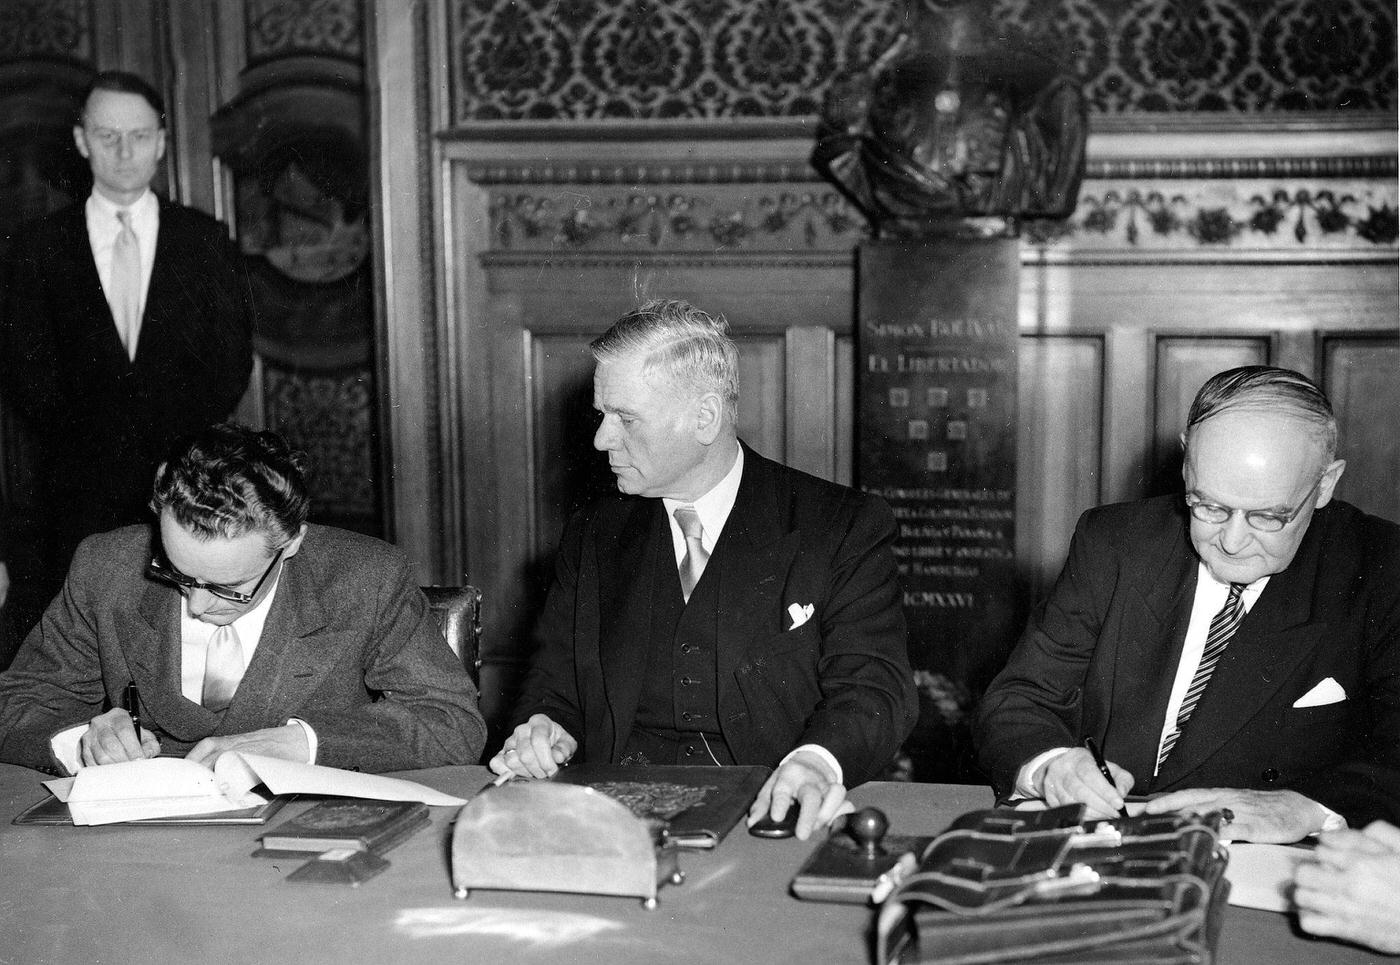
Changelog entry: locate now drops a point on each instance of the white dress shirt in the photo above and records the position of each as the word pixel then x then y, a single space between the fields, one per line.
pixel 103 228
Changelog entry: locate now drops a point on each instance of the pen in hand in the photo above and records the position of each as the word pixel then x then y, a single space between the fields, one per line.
pixel 131 700
pixel 1102 765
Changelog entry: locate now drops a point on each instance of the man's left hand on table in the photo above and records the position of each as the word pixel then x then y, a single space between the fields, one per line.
pixel 805 781
pixel 1264 817
pixel 287 742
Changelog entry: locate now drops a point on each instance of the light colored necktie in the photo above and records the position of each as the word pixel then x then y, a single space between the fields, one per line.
pixel 693 563
pixel 1222 627
pixel 223 668
pixel 125 285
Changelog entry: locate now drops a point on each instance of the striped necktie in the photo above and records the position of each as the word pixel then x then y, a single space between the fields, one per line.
pixel 693 563
pixel 124 285
pixel 1222 627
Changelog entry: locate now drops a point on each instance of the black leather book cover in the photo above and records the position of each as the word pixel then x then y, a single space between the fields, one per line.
pixel 705 801
pixel 355 823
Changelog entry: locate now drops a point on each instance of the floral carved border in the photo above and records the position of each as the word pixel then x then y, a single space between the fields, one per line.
pixel 1291 217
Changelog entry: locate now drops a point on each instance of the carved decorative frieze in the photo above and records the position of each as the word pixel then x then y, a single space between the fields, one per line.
pixel 1139 215
pixel 46 28
pixel 281 28
pixel 328 415
pixel 582 60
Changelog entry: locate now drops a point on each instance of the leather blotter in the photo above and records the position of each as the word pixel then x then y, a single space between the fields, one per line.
pixel 704 802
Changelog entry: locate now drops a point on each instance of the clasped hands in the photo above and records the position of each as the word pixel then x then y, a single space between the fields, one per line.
pixel 539 747
pixel 1278 817
pixel 110 739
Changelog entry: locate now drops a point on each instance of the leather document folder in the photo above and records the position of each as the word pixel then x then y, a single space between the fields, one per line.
pixel 699 805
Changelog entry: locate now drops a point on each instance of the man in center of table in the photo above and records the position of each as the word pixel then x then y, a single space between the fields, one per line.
pixel 721 608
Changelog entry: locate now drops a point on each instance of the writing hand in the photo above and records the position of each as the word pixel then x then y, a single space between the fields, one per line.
pixel 1074 778
pixel 536 748
pixel 804 781
pixel 287 742
pixel 110 739
pixel 1277 817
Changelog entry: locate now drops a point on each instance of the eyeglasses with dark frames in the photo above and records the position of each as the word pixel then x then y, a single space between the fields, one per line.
pixel 159 569
pixel 1263 520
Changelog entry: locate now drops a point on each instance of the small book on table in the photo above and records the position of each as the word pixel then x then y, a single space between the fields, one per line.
pixel 357 824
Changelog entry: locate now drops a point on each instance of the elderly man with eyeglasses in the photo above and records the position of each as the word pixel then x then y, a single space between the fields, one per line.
pixel 241 627
pixel 1234 649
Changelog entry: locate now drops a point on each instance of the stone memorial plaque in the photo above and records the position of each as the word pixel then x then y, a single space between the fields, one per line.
pixel 936 431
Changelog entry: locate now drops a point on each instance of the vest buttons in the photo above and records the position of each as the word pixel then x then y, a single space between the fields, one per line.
pixel 690 750
pixel 689 681
pixel 1269 775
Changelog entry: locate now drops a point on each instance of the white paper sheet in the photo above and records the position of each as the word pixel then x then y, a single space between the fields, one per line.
pixel 1261 875
pixel 169 787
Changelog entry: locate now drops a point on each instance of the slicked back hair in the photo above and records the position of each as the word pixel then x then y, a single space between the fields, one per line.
pixel 123 82
pixel 678 340
pixel 229 480
pixel 1265 388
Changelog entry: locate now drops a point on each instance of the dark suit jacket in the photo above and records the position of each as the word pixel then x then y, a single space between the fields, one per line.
pixel 100 422
pixel 1099 658
pixel 349 646
pixel 841 680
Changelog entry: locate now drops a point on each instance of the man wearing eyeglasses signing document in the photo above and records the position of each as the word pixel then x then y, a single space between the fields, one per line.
pixel 243 628
pixel 1236 648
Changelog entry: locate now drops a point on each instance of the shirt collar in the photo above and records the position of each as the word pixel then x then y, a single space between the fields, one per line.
pixel 250 623
pixel 1208 583
pixel 99 204
pixel 714 507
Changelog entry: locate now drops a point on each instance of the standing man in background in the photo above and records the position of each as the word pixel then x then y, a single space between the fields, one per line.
pixel 125 323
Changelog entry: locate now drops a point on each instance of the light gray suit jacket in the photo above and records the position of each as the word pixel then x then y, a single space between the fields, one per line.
pixel 349 647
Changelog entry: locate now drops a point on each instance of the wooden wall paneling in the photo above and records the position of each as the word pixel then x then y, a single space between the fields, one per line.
pixel 1360 372
pixel 127 35
pixel 1059 452
pixel 811 389
pixel 417 207
pixel 1127 409
pixel 843 414
pixel 765 388
pixel 563 425
pixel 506 528
pixel 191 101
pixel 1183 363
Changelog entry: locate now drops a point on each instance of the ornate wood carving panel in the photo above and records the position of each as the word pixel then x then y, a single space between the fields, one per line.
pixel 695 59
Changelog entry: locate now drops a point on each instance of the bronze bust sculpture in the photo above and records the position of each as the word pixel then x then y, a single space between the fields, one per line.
pixel 951 123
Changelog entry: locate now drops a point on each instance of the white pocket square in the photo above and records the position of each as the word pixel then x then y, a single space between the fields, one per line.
pixel 1326 692
pixel 800 613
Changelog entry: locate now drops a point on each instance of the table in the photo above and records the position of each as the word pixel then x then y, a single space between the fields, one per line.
pixel 193 894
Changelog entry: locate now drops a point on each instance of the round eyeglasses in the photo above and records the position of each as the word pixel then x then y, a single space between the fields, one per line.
pixel 1263 520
